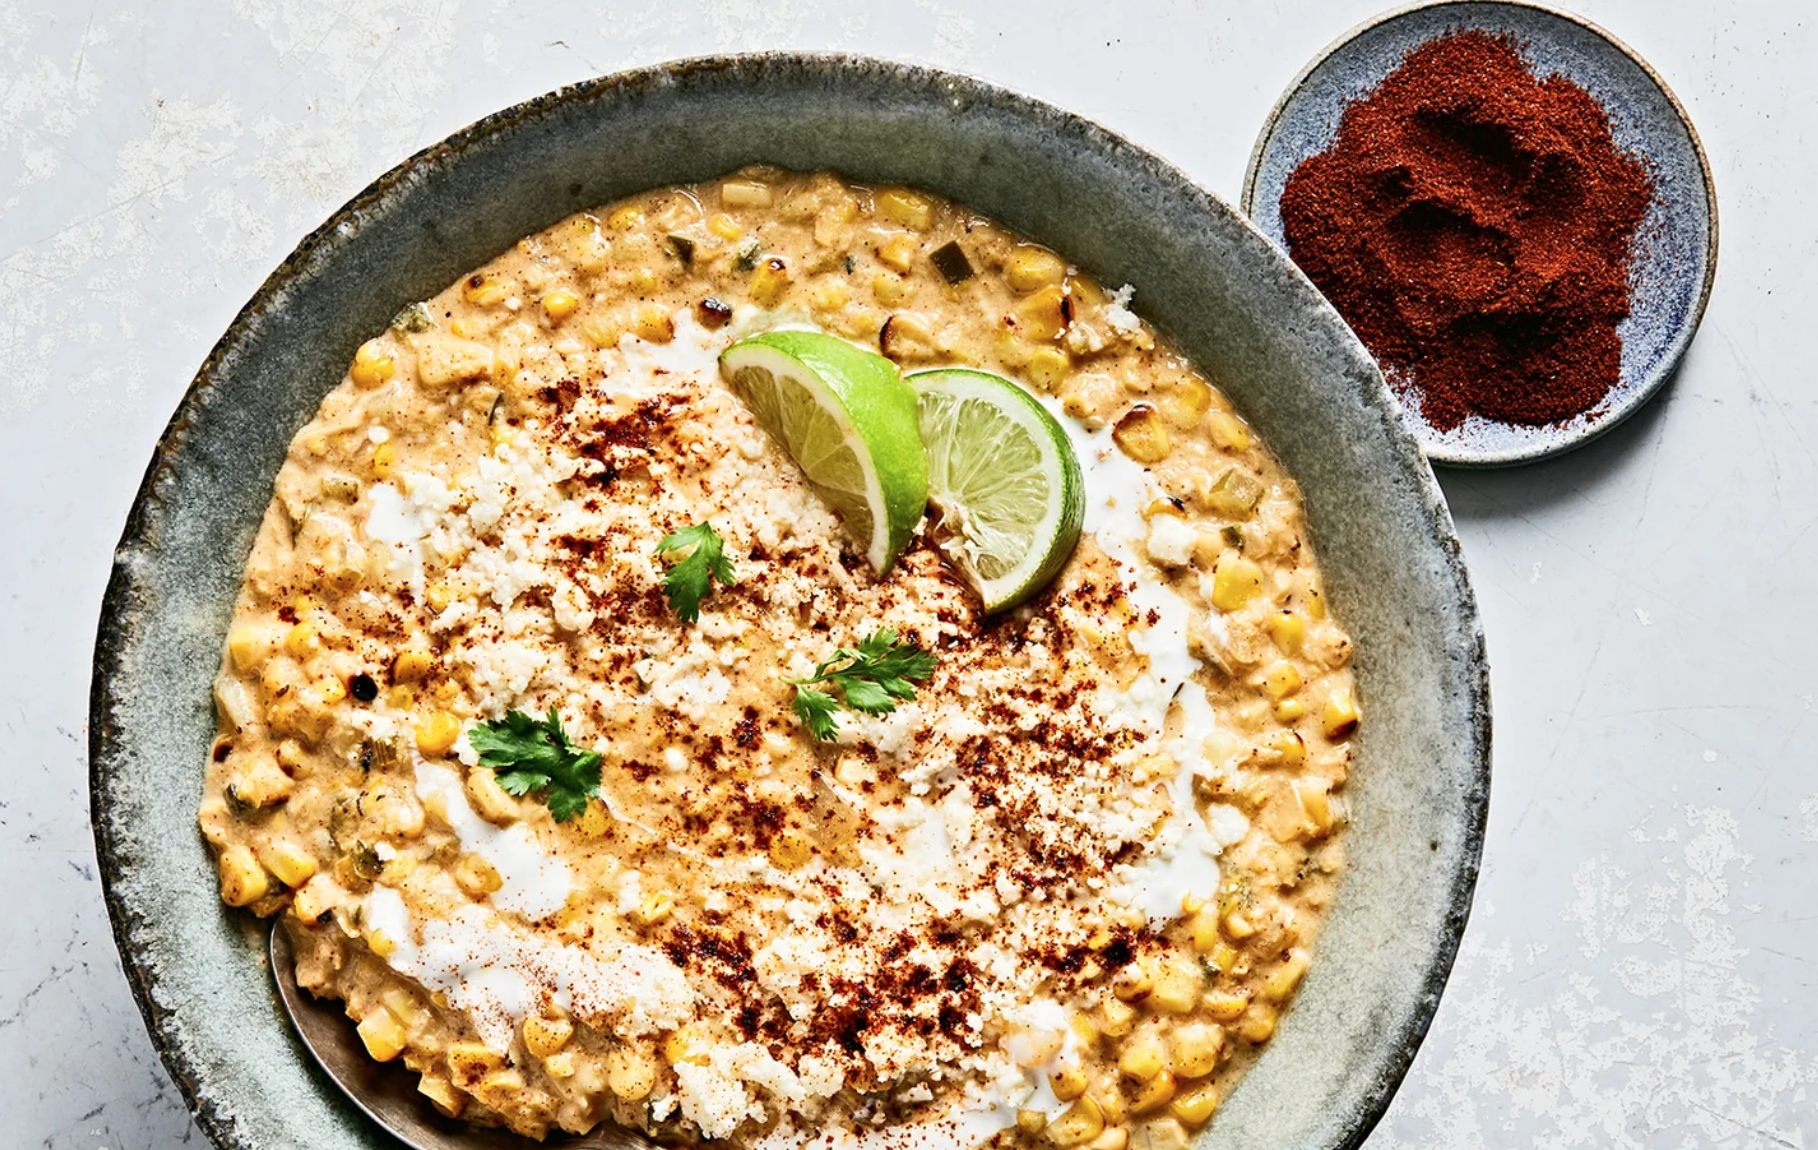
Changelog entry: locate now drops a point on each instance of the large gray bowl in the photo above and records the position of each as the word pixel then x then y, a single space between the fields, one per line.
pixel 1202 274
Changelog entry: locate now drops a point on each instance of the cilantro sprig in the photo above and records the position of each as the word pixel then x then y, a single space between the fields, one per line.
pixel 870 680
pixel 532 755
pixel 688 581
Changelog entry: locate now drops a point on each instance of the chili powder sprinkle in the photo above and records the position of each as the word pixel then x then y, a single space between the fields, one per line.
pixel 1473 223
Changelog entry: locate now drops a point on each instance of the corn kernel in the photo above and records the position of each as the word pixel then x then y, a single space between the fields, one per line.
pixel 889 288
pixel 1290 711
pixel 625 219
pixel 1224 1006
pixel 1186 403
pixel 1340 717
pixel 770 281
pixel 381 944
pixel 560 1065
pixel 1143 1057
pixel 1195 1106
pixel 412 663
pixel 600 332
pixel 791 850
pixel 559 305
pixel 689 1044
pixel 1162 1134
pixel 832 296
pixel 246 647
pixel 1119 1018
pixel 470 1061
pixel 902 206
pixel 1228 431
pixel 1031 1122
pixel 484 291
pixel 371 366
pixel 1235 581
pixel 442 1093
pixel 1114 1138
pixel 407 1006
pixel 725 227
pixel 1042 316
pixel 1031 268
pixel 437 733
pixel 1282 680
pixel 1154 1094
pixel 1203 930
pixel 1048 367
pixel 1079 1123
pixel 1259 1026
pixel 745 194
pixel 477 876
pixel 383 1035
pixel 1067 1082
pixel 1286 748
pixel 1133 983
pixel 243 880
pixel 654 325
pixel 303 640
pixel 593 823
pixel 1177 986
pixel 1085 1031
pixel 383 456
pixel 329 692
pixel 1196 1047
pixel 654 908
pixel 630 1073
pixel 1282 981
pixel 545 1036
pixel 1316 804
pixel 1112 1103
pixel 899 252
pixel 288 861
pixel 1288 630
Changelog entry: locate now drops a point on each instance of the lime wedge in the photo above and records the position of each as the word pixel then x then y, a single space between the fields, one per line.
pixel 1005 479
pixel 849 421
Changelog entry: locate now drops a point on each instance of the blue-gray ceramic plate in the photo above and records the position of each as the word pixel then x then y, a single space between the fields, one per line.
pixel 1201 273
pixel 1675 249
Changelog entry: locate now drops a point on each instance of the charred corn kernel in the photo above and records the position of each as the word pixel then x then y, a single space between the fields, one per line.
pixel 1194 1107
pixel 1042 316
pixel 1067 1082
pixel 1030 268
pixel 477 876
pixel 1154 1094
pixel 1177 986
pixel 1195 1048
pixel 1290 711
pixel 746 194
pixel 1282 680
pixel 381 944
pixel 655 907
pixel 303 640
pixel 1162 1134
pixel 371 366
pixel 902 206
pixel 1284 978
pixel 630 1073
pixel 1142 435
pixel 791 850
pixel 412 664
pixel 625 219
pixel 1119 1018
pixel 484 290
pixel 437 732
pixel 889 288
pixel 1225 1006
pixel 1340 717
pixel 288 861
pixel 593 822
pixel 292 758
pixel 654 325
pixel 770 281
pixel 832 296
pixel 559 305
pixel 1031 1122
pixel 1114 1138
pixel 1286 748
pixel 1235 581
pixel 1078 1124
pixel 383 1035
pixel 1228 431
pixel 899 252
pixel 725 227
pixel 1186 403
pixel 442 1093
pixel 1133 983
pixel 1143 1057
pixel 243 880
pixel 383 456
pixel 1288 630
pixel 1258 1026
pixel 246 646
pixel 545 1036
pixel 1048 367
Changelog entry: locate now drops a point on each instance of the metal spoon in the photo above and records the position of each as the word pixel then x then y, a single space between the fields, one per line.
pixel 387 1093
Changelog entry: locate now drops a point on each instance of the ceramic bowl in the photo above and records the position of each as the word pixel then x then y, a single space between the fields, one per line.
pixel 1201 273
pixel 1675 248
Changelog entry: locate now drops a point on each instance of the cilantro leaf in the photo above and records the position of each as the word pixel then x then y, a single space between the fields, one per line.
pixel 688 581
pixel 870 680
pixel 532 755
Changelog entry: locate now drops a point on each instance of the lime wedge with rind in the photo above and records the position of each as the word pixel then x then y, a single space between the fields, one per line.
pixel 849 421
pixel 1005 478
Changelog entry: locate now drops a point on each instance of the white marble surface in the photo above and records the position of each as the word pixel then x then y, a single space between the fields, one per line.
pixel 1639 969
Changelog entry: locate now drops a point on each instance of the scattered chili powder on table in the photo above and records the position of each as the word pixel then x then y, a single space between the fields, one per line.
pixel 1472 223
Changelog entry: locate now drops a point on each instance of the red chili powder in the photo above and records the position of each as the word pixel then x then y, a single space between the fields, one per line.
pixel 1473 224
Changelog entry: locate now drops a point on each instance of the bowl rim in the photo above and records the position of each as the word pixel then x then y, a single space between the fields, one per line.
pixel 1636 400
pixel 105 741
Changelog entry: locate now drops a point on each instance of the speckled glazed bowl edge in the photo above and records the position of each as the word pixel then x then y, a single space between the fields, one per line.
pixel 1635 400
pixel 1393 562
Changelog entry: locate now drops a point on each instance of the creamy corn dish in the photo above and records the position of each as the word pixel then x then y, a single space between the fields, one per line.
pixel 1060 897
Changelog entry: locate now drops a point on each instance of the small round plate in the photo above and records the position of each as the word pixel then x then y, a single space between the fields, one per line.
pixel 1675 249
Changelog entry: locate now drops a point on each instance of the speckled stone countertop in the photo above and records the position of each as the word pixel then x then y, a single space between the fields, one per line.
pixel 1639 969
